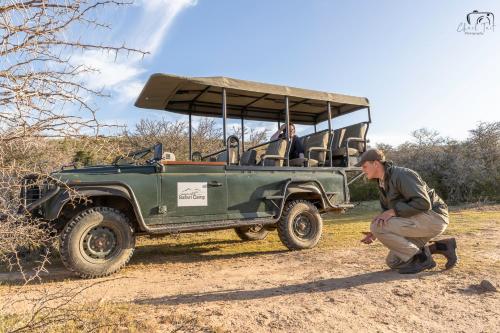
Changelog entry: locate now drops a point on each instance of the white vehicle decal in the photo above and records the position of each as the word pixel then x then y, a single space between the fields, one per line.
pixel 192 194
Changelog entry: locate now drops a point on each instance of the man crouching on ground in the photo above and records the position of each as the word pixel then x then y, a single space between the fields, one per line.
pixel 412 215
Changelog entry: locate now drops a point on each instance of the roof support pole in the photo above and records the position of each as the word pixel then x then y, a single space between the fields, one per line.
pixel 315 128
pixel 287 122
pixel 190 138
pixel 224 115
pixel 330 134
pixel 224 119
pixel 242 134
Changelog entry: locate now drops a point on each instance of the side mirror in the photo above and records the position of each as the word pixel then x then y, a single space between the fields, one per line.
pixel 158 151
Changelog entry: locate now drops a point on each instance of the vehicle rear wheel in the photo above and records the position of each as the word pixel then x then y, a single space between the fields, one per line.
pixel 97 242
pixel 300 225
pixel 252 233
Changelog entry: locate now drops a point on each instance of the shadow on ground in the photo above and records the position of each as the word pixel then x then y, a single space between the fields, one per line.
pixel 187 253
pixel 144 255
pixel 293 289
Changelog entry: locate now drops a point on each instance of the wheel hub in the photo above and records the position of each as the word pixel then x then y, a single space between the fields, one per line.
pixel 302 226
pixel 99 243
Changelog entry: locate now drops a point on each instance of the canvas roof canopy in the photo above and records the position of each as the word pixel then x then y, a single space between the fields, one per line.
pixel 202 96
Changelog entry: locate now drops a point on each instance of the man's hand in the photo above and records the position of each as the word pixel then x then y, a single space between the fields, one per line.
pixel 382 219
pixel 369 237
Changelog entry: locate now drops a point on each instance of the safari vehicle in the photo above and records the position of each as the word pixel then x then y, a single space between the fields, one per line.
pixel 253 190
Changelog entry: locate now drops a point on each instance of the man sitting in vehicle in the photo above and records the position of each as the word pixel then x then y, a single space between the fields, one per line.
pixel 296 150
pixel 412 215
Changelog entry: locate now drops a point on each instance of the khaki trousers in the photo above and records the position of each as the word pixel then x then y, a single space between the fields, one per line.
pixel 404 237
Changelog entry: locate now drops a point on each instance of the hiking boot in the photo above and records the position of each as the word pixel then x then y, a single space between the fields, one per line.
pixel 446 247
pixel 419 262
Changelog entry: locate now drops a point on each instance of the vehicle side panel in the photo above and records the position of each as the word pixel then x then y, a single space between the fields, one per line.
pixel 142 180
pixel 247 187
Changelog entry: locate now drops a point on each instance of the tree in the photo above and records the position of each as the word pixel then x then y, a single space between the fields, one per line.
pixel 42 93
pixel 38 77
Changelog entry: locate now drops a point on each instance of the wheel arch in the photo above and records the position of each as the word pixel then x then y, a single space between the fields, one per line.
pixel 305 191
pixel 109 196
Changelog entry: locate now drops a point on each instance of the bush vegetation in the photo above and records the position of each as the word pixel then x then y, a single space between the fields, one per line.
pixel 460 171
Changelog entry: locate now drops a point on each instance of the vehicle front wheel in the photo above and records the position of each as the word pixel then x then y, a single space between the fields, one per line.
pixel 300 225
pixel 252 233
pixel 97 242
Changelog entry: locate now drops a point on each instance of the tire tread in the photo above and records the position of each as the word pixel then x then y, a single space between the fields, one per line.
pixel 71 225
pixel 282 223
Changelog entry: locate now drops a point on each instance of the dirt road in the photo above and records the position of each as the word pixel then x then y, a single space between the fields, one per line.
pixel 339 286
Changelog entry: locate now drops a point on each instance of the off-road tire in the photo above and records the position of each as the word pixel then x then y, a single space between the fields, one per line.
pixel 291 230
pixel 75 244
pixel 252 233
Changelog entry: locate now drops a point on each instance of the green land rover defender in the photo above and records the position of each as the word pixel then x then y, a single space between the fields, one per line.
pixel 253 190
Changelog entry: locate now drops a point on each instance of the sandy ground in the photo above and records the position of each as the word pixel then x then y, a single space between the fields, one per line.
pixel 319 290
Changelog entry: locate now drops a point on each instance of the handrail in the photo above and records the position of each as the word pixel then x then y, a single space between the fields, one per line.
pixel 213 154
pixel 230 139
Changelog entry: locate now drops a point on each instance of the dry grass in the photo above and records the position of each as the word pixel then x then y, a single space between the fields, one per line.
pixel 90 318
pixel 111 317
pixel 340 231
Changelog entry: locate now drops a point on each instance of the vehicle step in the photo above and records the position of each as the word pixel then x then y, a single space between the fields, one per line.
pixel 273 197
pixel 207 226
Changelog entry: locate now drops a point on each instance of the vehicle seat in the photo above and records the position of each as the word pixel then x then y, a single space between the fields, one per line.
pixel 336 140
pixel 249 157
pixel 338 136
pixel 353 142
pixel 233 156
pixel 315 148
pixel 304 139
pixel 275 153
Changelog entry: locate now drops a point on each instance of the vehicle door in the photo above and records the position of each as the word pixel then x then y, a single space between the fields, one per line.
pixel 194 192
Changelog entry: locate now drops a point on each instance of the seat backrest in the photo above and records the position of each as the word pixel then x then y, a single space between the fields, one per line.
pixel 319 139
pixel 249 157
pixel 338 136
pixel 233 158
pixel 275 148
pixel 355 131
pixel 303 140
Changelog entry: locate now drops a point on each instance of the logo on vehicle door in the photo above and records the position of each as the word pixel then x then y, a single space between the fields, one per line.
pixel 191 194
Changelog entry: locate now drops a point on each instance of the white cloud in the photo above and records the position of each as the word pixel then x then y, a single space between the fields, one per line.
pixel 111 72
pixel 129 91
pixel 119 75
pixel 156 19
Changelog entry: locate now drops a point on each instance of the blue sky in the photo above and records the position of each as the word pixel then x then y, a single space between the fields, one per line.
pixel 405 56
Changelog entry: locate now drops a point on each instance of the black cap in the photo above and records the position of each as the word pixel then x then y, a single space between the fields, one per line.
pixel 371 155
